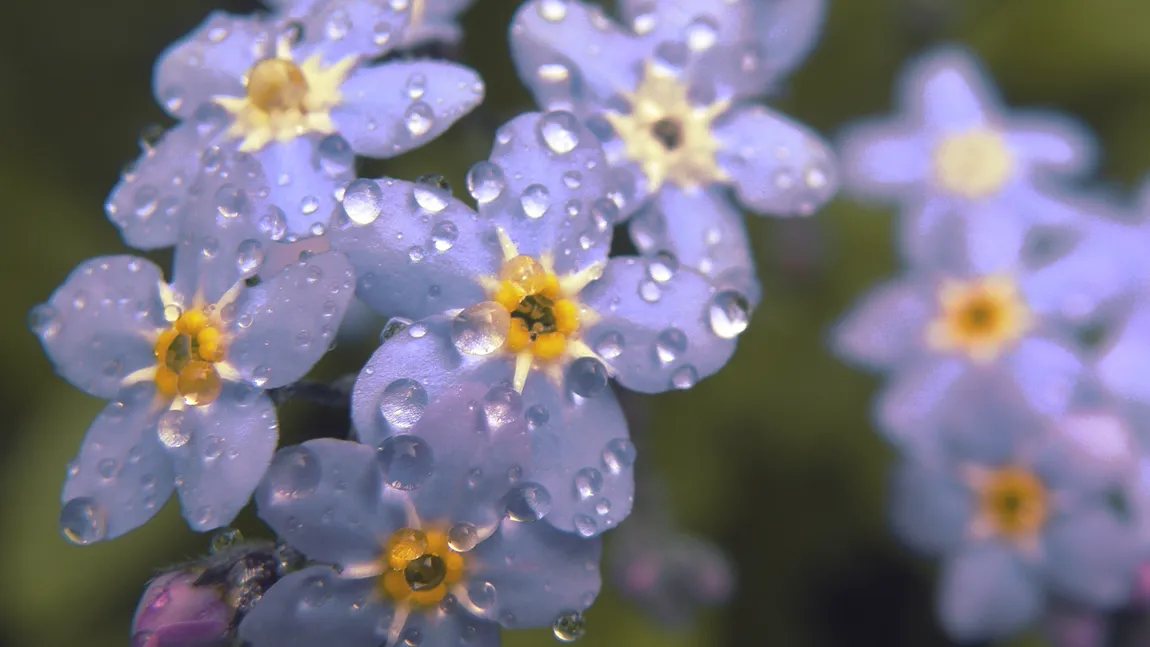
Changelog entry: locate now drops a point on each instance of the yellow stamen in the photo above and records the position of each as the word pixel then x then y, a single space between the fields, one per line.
pixel 979 318
pixel 1012 502
pixel 973 164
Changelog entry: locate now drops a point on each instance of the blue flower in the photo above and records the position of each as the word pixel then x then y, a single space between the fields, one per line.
pixel 668 98
pixel 1016 520
pixel 245 83
pixel 415 527
pixel 956 148
pixel 184 368
pixel 972 321
pixel 430 20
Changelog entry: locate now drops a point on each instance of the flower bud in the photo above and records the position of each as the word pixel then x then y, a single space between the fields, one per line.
pixel 176 612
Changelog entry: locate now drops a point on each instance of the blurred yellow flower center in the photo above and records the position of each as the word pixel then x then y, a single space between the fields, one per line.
pixel 973 164
pixel 419 567
pixel 186 357
pixel 979 318
pixel 668 136
pixel 1013 502
pixel 285 100
pixel 541 320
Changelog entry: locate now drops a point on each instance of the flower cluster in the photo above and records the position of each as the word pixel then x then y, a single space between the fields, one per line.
pixel 486 450
pixel 1012 347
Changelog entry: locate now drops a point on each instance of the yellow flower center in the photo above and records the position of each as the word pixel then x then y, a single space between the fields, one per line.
pixel 276 85
pixel 1013 502
pixel 979 318
pixel 668 136
pixel 186 357
pixel 541 320
pixel 973 164
pixel 419 567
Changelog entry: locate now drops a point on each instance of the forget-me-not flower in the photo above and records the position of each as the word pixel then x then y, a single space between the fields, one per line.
pixel 258 86
pixel 667 95
pixel 417 528
pixel 956 148
pixel 184 368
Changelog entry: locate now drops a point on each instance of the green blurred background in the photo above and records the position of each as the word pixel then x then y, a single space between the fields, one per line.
pixel 774 458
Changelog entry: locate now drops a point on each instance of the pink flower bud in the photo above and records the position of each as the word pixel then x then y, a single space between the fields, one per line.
pixel 174 612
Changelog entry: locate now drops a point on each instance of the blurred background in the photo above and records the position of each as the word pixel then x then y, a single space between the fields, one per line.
pixel 774 459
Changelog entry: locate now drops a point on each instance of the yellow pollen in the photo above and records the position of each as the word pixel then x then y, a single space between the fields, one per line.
pixel 541 318
pixel 276 85
pixel 973 164
pixel 186 357
pixel 979 318
pixel 419 567
pixel 1012 502
pixel 668 136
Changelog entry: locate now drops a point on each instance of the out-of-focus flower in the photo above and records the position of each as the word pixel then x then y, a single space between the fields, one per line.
pixel 255 85
pixel 417 528
pixel 185 368
pixel 955 148
pixel 667 97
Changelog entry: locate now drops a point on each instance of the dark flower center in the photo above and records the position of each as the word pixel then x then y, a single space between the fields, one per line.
pixel 537 313
pixel 669 133
pixel 425 572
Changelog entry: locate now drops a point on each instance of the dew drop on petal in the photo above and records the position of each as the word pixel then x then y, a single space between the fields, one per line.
pixel 537 416
pixel 684 377
pixel 670 344
pixel 419 119
pixel 363 201
pixel 618 455
pixel 559 131
pixel 249 256
pixel 462 537
pixel 406 461
pixel 552 10
pixel 610 346
pixel 485 182
pixel 588 482
pixel 662 267
pixel 501 406
pixel 481 329
pixel 729 314
pixel 431 192
pixel 443 235
pixel 527 502
pixel 584 525
pixel 481 593
pixel 402 403
pixel 649 291
pixel 569 627
pixel 587 377
pixel 174 429
pixel 83 521
pixel 536 199
pixel 294 473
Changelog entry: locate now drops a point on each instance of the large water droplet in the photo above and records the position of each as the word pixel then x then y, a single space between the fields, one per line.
pixel 363 201
pixel 462 537
pixel 702 33
pixel 662 267
pixel 684 377
pixel 618 455
pixel 559 131
pixel 569 627
pixel 552 10
pixel 83 521
pixel 527 502
pixel 419 119
pixel 249 256
pixel 585 525
pixel 294 473
pixel 432 193
pixel 443 235
pixel 485 182
pixel 536 199
pixel 481 329
pixel 273 223
pixel 588 482
pixel 729 314
pixel 501 406
pixel 402 403
pixel 335 156
pixel 587 377
pixel 231 201
pixel 670 344
pixel 174 429
pixel 481 593
pixel 406 461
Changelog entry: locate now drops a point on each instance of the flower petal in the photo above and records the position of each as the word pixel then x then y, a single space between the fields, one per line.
pixel 1053 141
pixel 930 509
pixel 1047 372
pixel 985 593
pixel 438 22
pixel 887 325
pixel 326 498
pixel 778 166
pixel 909 402
pixel 395 107
pixel 98 326
pixel 416 250
pixel 703 231
pixel 316 606
pixel 884 158
pixel 450 626
pixel 361 28
pixel 122 475
pixel 789 30
pixel 305 175
pixel 555 190
pixel 1122 366
pixel 285 325
pixel 679 20
pixel 232 442
pixel 537 574
pixel 211 61
pixel 1091 557
pixel 660 329
pixel 571 56
pixel 949 91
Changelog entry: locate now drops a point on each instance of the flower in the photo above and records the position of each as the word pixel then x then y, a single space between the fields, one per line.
pixel 973 320
pixel 175 611
pixel 423 551
pixel 1028 515
pixel 256 85
pixel 954 148
pixel 667 96
pixel 430 20
pixel 184 369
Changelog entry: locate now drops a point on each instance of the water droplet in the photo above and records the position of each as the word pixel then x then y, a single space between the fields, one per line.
pixel 294 473
pixel 588 482
pixel 249 256
pixel 44 321
pixel 406 461
pixel 684 377
pixel 527 502
pixel 224 539
pixel 553 10
pixel 662 267
pixel 481 593
pixel 670 344
pixel 603 508
pixel 536 200
pixel 308 205
pixel 416 85
pixel 501 406
pixel 587 377
pixel 573 180
pixel 481 329
pixel 619 454
pixel 432 193
pixel 443 235
pixel 485 182
pixel 559 131
pixel 82 521
pixel 363 201
pixel 402 403
pixel 537 416
pixel 273 223
pixel 585 525
pixel 335 156
pixel 145 201
pixel 610 346
pixel 419 119
pixel 462 537
pixel 702 33
pixel 569 627
pixel 175 429
pixel 729 314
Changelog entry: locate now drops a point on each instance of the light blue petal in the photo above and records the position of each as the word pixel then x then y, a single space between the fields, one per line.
pixel 984 417
pixel 908 403
pixel 1122 366
pixel 696 23
pixel 537 574
pixel 884 158
pixel 887 326
pixel 985 593
pixel 284 326
pixel 360 28
pixel 703 231
pixel 1053 141
pixel 232 442
pixel 416 250
pixel 395 107
pixel 316 606
pixel 1047 372
pixel 571 56
pixel 326 499
pixel 930 509
pixel 210 61
pixel 122 476
pixel 949 91
pixel 1091 557
pixel 778 166
pixel 788 30
pixel 438 22
pixel 448 625
pixel 97 328
pixel 661 329
pixel 555 192
pixel 148 203
pixel 305 176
